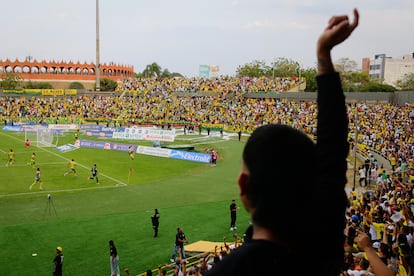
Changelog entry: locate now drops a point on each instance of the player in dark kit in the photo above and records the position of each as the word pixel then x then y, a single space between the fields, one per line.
pixel 94 172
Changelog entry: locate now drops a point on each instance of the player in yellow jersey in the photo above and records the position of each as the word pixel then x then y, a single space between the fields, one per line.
pixel 11 158
pixel 131 152
pixel 33 160
pixel 72 168
pixel 37 180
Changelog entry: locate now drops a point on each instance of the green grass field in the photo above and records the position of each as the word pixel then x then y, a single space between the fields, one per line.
pixel 83 216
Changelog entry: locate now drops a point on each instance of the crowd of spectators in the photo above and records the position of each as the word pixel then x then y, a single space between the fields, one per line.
pixel 221 84
pixel 384 213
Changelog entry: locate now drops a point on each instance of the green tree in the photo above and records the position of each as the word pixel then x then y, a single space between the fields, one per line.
pixel 44 85
pixel 375 86
pixel 152 70
pixel 310 76
pixel 255 68
pixel 38 85
pixel 354 80
pixel 107 85
pixel 406 83
pixel 10 81
pixel 76 85
pixel 283 67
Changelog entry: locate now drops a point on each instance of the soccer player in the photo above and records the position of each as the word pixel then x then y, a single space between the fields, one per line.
pixel 72 168
pixel 27 143
pixel 94 172
pixel 37 180
pixel 11 158
pixel 33 160
pixel 131 152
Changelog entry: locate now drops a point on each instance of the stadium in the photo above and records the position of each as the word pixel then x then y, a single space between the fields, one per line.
pixel 157 156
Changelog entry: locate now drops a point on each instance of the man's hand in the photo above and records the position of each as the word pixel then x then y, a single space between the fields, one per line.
pixel 339 29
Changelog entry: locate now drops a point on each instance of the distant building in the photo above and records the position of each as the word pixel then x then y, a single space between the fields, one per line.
pixel 61 73
pixel 388 69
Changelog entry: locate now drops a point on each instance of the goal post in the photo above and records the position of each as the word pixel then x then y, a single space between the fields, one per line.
pixel 42 137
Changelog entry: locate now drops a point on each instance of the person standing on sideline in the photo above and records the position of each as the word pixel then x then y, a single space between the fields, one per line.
pixel 180 239
pixel 155 220
pixel 277 238
pixel 113 259
pixel 233 215
pixel 94 173
pixel 37 180
pixel 58 262
pixel 72 168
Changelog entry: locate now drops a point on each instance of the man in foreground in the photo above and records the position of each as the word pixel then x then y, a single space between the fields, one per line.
pixel 283 234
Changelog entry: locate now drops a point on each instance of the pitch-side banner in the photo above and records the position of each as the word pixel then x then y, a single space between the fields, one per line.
pixel 62 127
pixel 147 134
pixel 153 151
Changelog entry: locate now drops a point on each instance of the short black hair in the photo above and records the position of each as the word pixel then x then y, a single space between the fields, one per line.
pixel 281 163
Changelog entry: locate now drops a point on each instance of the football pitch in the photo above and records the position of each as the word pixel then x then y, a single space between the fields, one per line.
pixel 82 216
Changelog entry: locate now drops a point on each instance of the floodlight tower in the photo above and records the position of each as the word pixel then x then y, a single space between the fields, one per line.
pixel 98 65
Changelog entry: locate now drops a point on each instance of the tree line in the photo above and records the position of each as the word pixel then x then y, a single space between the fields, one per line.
pixel 352 79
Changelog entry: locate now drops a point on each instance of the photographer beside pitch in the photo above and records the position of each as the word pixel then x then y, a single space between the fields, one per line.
pixel 287 239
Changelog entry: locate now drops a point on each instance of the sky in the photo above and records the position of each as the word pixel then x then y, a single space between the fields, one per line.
pixel 181 35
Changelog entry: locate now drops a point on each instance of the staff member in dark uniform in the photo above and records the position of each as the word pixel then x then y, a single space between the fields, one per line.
pixel 58 261
pixel 155 220
pixel 233 215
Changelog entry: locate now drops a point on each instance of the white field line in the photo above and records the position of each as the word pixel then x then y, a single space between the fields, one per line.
pixel 28 163
pixel 118 182
pixel 57 191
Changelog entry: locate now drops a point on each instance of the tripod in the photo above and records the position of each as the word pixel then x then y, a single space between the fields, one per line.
pixel 49 206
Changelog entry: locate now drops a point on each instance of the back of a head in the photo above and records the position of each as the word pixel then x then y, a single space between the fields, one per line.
pixel 281 162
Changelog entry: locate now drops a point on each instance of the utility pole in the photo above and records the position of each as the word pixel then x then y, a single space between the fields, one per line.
pixel 355 143
pixel 98 65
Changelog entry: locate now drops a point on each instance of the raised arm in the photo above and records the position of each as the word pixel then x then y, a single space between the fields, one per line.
pixel 332 145
pixel 378 266
pixel 339 28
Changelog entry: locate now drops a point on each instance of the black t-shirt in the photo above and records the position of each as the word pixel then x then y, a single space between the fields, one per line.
pixel 178 237
pixel 112 251
pixel 155 219
pixel 58 261
pixel 233 208
pixel 94 170
pixel 257 257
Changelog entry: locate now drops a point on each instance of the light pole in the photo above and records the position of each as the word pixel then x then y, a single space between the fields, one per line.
pixel 355 144
pixel 98 65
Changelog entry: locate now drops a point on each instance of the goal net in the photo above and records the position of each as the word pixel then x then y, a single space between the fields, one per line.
pixel 42 137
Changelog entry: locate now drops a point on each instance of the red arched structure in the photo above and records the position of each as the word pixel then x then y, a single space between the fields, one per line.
pixel 58 71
